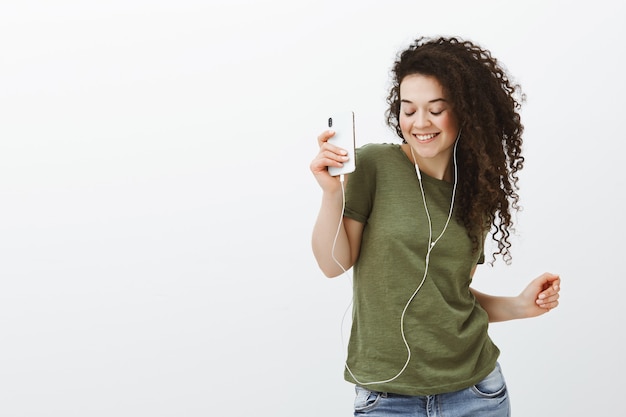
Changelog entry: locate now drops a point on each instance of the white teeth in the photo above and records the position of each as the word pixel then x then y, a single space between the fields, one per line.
pixel 425 137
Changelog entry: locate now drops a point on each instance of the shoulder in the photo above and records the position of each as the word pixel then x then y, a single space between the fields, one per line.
pixel 373 152
pixel 374 160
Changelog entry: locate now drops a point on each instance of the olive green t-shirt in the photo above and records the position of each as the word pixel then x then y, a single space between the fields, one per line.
pixel 444 325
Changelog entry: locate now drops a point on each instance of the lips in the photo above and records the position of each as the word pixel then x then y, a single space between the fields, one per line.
pixel 425 138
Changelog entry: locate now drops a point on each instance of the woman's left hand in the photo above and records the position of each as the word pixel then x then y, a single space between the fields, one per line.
pixel 541 295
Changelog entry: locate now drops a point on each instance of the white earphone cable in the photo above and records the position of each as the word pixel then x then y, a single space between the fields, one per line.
pixel 431 245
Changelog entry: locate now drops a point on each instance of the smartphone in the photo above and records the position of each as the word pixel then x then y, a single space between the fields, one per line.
pixel 342 123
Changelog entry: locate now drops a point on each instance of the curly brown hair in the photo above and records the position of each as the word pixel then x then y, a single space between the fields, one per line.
pixel 486 103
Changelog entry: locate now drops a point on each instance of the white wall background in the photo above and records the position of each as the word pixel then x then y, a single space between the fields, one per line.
pixel 156 203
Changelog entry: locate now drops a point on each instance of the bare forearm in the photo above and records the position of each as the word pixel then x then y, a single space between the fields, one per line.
pixel 540 296
pixel 328 232
pixel 500 308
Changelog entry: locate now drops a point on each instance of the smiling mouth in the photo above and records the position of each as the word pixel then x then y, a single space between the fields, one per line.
pixel 424 138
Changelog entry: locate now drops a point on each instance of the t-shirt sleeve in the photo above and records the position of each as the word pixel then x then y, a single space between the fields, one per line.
pixel 360 185
pixel 481 259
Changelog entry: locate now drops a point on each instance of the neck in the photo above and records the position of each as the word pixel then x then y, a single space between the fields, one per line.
pixel 433 167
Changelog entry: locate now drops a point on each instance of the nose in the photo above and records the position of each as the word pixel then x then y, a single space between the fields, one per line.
pixel 421 119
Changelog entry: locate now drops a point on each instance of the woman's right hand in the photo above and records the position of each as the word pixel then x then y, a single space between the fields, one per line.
pixel 328 155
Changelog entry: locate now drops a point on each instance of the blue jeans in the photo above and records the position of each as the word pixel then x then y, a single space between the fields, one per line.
pixel 488 398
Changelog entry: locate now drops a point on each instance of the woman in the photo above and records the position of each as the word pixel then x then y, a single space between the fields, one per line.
pixel 415 219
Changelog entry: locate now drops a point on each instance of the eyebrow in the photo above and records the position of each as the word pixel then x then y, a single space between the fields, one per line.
pixel 431 101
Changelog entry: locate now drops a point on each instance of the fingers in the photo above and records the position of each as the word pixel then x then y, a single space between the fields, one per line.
pixel 324 136
pixel 323 142
pixel 549 297
pixel 329 154
pixel 548 301
pixel 552 279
